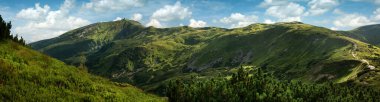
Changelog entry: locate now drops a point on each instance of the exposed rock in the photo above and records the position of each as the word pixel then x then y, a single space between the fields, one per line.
pixel 371 67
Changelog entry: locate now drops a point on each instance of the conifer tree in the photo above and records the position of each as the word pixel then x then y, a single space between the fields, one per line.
pixel 5 32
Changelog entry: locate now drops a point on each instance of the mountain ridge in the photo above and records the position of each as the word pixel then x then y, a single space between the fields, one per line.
pixel 148 56
pixel 368 34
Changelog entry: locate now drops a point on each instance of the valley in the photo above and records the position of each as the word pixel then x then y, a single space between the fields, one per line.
pixel 189 51
pixel 125 51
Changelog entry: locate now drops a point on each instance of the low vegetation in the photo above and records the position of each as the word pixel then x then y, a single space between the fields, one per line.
pixel 257 86
pixel 27 75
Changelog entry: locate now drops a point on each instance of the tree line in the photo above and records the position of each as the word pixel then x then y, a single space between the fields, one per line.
pixel 253 86
pixel 5 32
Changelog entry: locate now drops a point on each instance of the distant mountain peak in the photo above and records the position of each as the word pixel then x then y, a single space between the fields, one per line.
pixel 293 22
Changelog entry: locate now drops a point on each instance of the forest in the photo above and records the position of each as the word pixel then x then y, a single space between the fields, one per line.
pixel 258 86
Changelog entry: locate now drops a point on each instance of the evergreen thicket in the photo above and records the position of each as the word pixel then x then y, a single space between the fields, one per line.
pixel 5 32
pixel 258 86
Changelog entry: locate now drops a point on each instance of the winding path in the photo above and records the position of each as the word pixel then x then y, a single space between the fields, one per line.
pixel 353 53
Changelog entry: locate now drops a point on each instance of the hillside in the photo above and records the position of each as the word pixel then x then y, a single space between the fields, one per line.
pixel 125 51
pixel 252 85
pixel 369 34
pixel 27 75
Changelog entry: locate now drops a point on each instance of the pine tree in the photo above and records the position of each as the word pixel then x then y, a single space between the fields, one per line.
pixel 8 30
pixel 263 87
pixel 2 28
pixel 15 38
pixel 5 32
pixel 5 29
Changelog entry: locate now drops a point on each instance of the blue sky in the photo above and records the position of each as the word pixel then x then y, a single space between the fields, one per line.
pixel 42 19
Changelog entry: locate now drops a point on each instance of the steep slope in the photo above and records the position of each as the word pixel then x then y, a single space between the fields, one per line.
pixel 369 34
pixel 27 75
pixel 294 50
pixel 87 39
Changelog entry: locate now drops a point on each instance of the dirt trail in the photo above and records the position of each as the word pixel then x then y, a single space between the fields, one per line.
pixel 353 53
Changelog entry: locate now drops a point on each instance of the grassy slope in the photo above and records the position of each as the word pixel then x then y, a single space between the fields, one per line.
pixel 148 56
pixel 86 39
pixel 369 34
pixel 27 75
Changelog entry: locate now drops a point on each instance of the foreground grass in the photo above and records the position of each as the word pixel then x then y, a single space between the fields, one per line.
pixel 27 75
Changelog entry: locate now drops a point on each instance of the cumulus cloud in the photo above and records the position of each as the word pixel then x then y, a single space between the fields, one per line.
pixel 194 23
pixel 239 20
pixel 172 12
pixel 373 1
pixel 117 19
pixel 351 21
pixel 111 5
pixel 268 21
pixel 154 23
pixel 376 15
pixel 334 28
pixel 268 3
pixel 318 7
pixel 136 17
pixel 286 13
pixel 35 13
pixel 49 23
pixel 5 13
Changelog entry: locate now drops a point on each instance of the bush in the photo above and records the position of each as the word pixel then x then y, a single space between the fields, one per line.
pixel 258 86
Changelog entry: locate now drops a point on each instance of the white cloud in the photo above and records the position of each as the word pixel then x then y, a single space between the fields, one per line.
pixel 291 19
pixel 154 23
pixel 195 23
pixel 117 19
pixel 136 17
pixel 239 20
pixel 376 15
pixel 334 28
pixel 5 13
pixel 267 3
pixel 376 1
pixel 286 13
pixel 268 21
pixel 172 12
pixel 36 13
pixel 52 24
pixel 111 5
pixel 352 21
pixel 349 21
pixel 68 4
pixel 373 1
pixel 318 7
